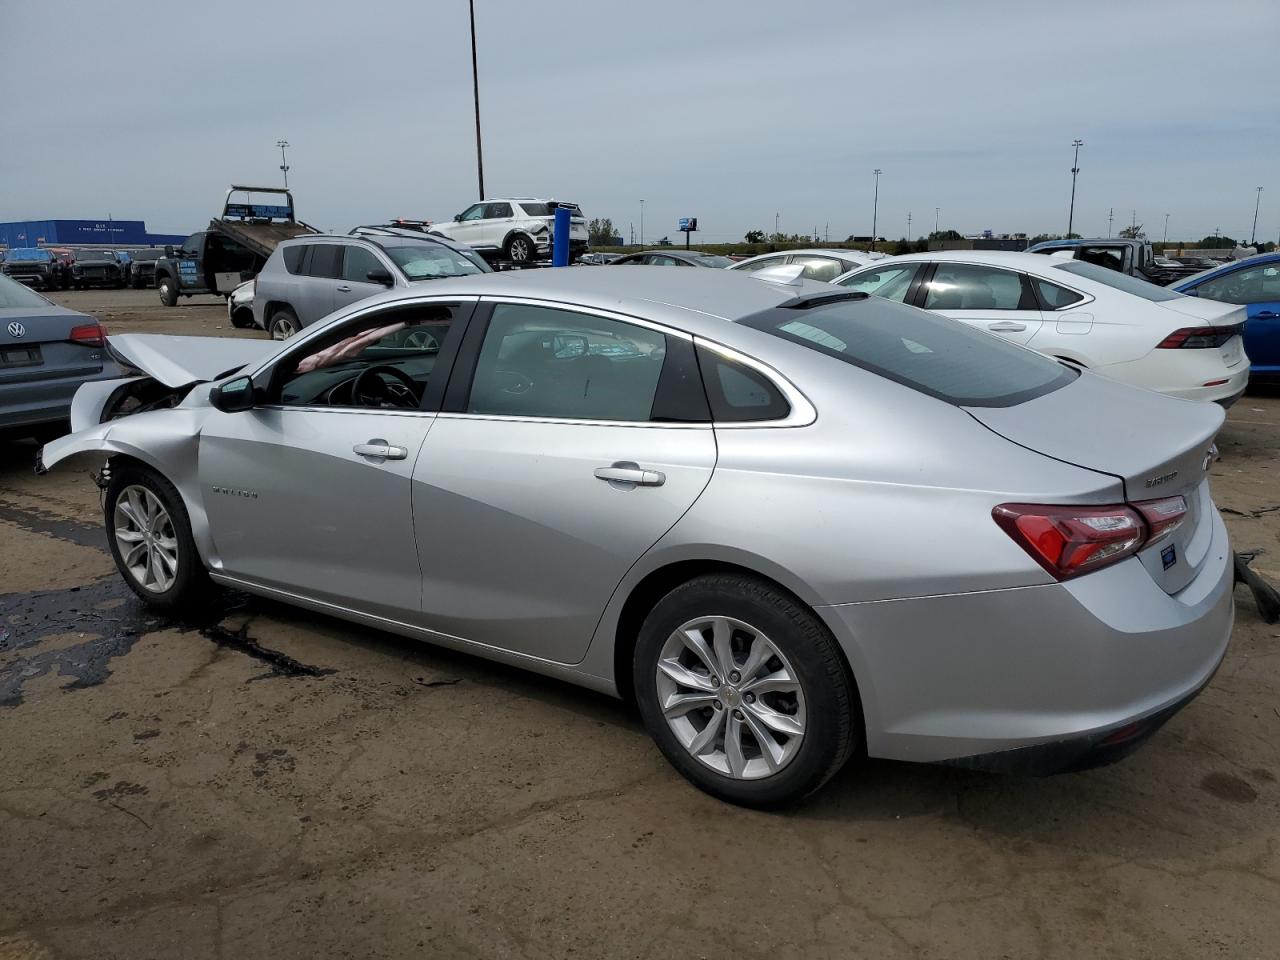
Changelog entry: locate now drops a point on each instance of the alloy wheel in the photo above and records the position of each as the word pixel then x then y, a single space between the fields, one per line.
pixel 146 539
pixel 282 328
pixel 731 697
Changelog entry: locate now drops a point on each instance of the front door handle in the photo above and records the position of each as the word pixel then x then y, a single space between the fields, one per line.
pixel 1006 326
pixel 343 288
pixel 379 449
pixel 1266 315
pixel 625 474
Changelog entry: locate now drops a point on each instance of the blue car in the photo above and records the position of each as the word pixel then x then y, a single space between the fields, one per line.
pixel 1255 283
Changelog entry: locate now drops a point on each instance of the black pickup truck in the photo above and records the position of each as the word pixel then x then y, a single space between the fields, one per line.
pixel 36 267
pixel 232 249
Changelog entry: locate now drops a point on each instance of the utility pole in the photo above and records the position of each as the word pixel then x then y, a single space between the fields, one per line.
pixel 908 224
pixel 1133 224
pixel 936 212
pixel 1253 237
pixel 475 90
pixel 1075 170
pixel 642 223
pixel 775 225
pixel 875 207
pixel 284 163
pixel 826 233
pixel 1110 216
pixel 1166 228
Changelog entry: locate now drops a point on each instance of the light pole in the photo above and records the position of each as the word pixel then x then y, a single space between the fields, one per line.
pixel 936 212
pixel 1075 170
pixel 1253 237
pixel 776 217
pixel 875 207
pixel 1166 228
pixel 284 163
pixel 475 92
pixel 642 223
pixel 908 224
pixel 1111 213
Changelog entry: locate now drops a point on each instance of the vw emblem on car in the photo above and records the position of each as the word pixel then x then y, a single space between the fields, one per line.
pixel 17 330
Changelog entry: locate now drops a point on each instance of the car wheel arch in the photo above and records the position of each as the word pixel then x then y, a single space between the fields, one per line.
pixel 660 581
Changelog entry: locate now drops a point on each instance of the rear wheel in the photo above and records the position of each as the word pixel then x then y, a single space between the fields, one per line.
pixel 242 319
pixel 283 324
pixel 744 690
pixel 168 291
pixel 520 249
pixel 150 538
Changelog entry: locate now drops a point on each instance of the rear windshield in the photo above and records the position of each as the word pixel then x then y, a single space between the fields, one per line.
pixel 430 261
pixel 14 294
pixel 711 260
pixel 547 209
pixel 1121 281
pixel 929 353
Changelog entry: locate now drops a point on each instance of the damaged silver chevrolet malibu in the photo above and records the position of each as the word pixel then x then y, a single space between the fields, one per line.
pixel 792 523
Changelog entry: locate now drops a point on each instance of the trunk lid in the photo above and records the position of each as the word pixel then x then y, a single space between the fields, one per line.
pixel 1157 445
pixel 35 344
pixel 177 361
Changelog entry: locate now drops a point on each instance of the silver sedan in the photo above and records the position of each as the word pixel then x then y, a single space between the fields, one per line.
pixel 794 524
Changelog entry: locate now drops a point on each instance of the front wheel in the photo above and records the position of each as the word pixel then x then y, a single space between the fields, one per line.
pixel 150 538
pixel 168 291
pixel 745 691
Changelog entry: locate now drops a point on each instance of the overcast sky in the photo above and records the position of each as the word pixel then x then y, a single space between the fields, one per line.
pixel 728 110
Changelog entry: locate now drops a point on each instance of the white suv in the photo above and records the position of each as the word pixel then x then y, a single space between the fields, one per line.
pixel 518 229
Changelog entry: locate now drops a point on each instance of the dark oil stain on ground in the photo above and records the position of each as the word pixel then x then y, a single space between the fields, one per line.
pixel 112 620
pixel 36 520
pixel 1227 786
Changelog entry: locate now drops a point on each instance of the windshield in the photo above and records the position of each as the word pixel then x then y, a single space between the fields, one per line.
pixel 431 261
pixel 28 253
pixel 931 354
pixel 534 209
pixel 147 254
pixel 94 255
pixel 1120 281
pixel 710 260
pixel 14 294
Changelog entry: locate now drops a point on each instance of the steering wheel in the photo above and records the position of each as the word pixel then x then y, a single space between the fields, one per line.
pixel 513 382
pixel 372 388
pixel 421 340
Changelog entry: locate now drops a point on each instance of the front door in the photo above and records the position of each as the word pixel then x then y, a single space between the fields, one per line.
pixel 469 228
pixel 310 492
pixel 556 465
pixel 354 285
pixel 995 300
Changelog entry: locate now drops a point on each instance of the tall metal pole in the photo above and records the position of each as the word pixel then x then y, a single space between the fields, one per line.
pixel 1111 213
pixel 642 223
pixel 1166 228
pixel 284 163
pixel 1253 237
pixel 475 90
pixel 936 212
pixel 908 224
pixel 1075 170
pixel 776 217
pixel 875 207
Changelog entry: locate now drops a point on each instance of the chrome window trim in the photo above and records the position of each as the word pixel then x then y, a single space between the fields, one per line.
pixel 591 311
pixel 511 418
pixel 1088 297
pixel 802 412
pixel 313 408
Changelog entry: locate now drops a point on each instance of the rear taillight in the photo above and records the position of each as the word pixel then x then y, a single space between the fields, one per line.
pixel 1198 337
pixel 1069 541
pixel 88 334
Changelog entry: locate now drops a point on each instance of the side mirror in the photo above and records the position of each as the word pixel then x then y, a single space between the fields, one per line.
pixel 380 275
pixel 168 249
pixel 233 396
pixel 457 218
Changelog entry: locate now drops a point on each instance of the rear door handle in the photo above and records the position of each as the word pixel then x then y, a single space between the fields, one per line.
pixel 1006 326
pixel 343 289
pixel 626 474
pixel 379 449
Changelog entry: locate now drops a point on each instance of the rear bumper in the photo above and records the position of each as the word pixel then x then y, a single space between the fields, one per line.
pixel 34 403
pixel 1060 667
pixel 1182 374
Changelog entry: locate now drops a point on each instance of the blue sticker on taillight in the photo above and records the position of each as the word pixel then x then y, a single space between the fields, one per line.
pixel 1169 556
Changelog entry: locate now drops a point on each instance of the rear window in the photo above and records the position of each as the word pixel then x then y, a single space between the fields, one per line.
pixel 292 257
pixel 711 260
pixel 532 209
pixel 14 294
pixel 928 353
pixel 1120 281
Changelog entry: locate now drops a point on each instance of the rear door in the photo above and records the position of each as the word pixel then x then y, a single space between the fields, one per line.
pixel 1258 288
pixel 317 287
pixel 567 447
pixel 993 299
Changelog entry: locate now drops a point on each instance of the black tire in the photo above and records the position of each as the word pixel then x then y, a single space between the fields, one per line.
pixel 191 587
pixel 283 324
pixel 138 283
pixel 242 319
pixel 520 249
pixel 833 724
pixel 168 289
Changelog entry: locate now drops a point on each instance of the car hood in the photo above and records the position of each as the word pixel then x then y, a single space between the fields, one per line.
pixel 177 361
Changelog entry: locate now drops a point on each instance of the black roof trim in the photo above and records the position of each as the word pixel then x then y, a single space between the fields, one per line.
pixel 821 299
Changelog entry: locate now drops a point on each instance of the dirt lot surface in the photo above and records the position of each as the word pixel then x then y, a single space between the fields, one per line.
pixel 272 783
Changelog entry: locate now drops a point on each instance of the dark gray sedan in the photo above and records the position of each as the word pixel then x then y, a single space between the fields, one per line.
pixel 46 353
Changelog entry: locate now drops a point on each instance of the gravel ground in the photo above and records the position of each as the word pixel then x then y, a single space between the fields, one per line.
pixel 272 783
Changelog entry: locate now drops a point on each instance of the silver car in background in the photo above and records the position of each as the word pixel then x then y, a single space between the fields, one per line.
pixel 793 523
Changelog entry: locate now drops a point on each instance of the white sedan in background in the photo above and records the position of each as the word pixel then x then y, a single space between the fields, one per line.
pixel 817 264
pixel 1116 325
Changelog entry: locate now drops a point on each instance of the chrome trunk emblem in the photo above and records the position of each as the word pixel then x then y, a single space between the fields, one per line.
pixel 16 330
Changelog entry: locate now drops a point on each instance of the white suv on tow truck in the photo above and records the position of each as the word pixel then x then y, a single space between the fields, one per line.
pixel 518 229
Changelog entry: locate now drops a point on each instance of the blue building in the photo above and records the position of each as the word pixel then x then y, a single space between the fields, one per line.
pixel 51 233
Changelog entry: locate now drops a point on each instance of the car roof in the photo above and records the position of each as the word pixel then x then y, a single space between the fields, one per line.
pixel 814 251
pixel 399 238
pixel 698 301
pixel 1004 258
pixel 1228 267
